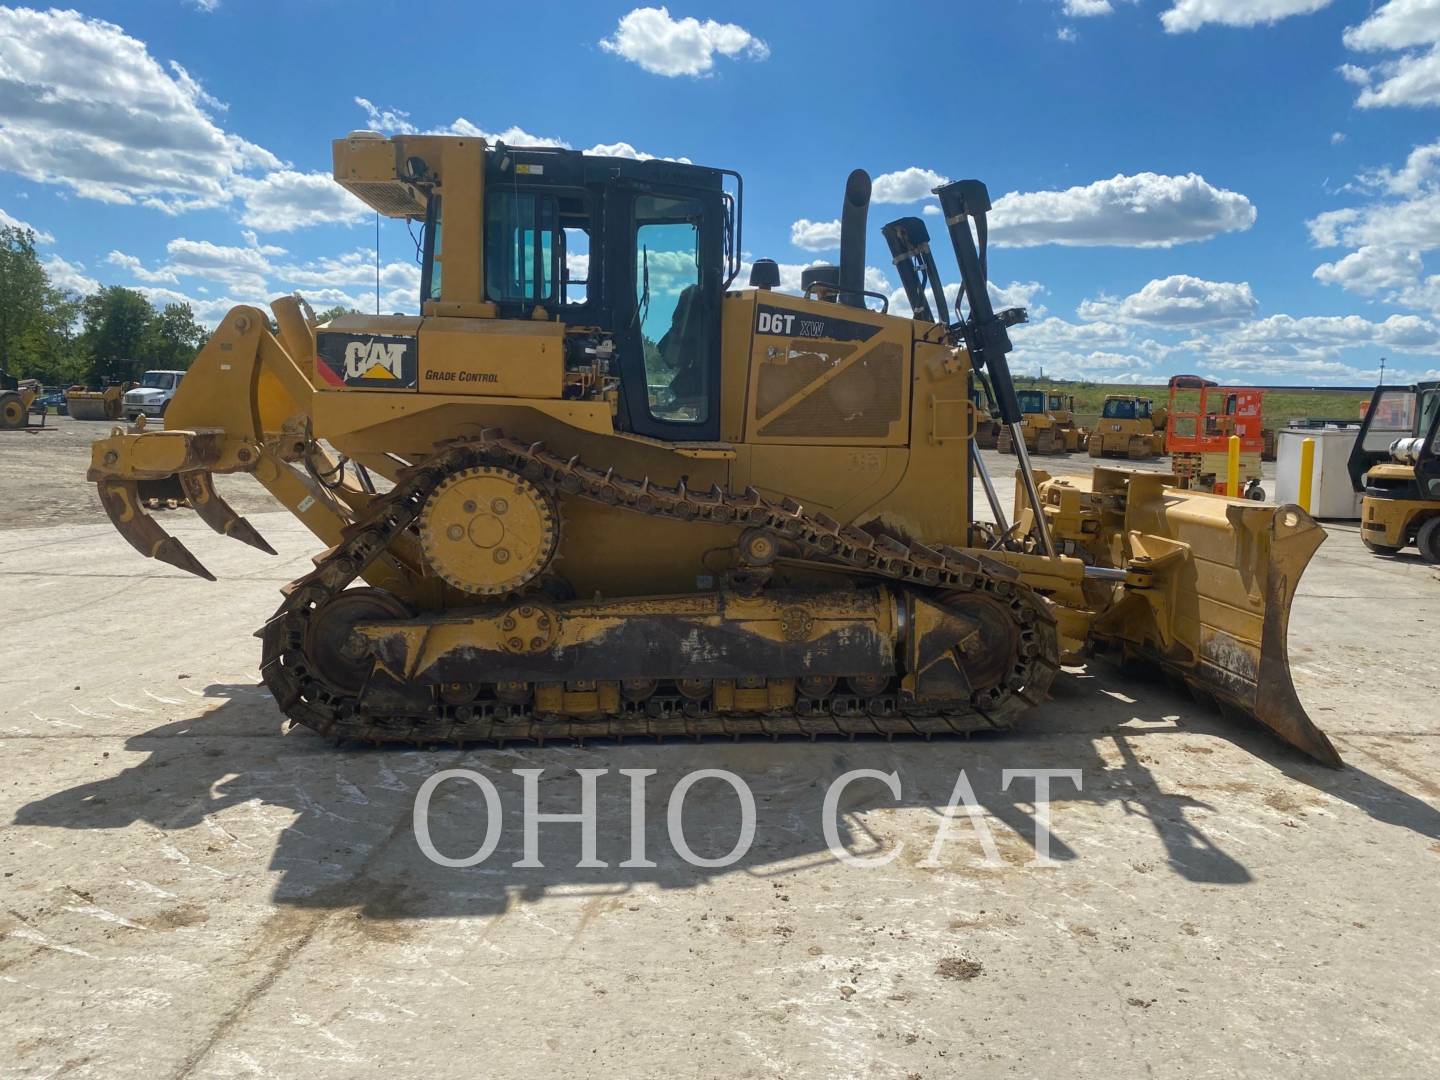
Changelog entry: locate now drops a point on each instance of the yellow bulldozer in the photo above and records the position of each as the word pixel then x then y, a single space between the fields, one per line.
pixel 1040 429
pixel 1128 427
pixel 616 496
pixel 1061 407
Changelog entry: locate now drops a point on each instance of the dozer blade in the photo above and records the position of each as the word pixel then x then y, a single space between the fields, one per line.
pixel 121 499
pixel 1221 576
pixel 199 488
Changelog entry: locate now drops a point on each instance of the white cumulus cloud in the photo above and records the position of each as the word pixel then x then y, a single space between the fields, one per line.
pixel 69 275
pixel 649 37
pixel 41 236
pixel 815 235
pixel 1177 300
pixel 1410 28
pixel 286 200
pixel 1144 210
pixel 1192 14
pixel 1372 269
pixel 85 105
pixel 1390 234
pixel 905 186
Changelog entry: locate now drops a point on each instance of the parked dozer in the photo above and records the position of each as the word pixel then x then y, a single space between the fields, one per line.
pixel 1128 427
pixel 16 398
pixel 1040 431
pixel 97 403
pixel 1061 407
pixel 1395 463
pixel 987 428
pixel 663 506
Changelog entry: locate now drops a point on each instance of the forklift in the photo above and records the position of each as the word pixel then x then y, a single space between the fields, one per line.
pixel 1395 466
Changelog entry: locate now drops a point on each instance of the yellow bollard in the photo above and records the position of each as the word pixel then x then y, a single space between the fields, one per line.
pixel 1232 469
pixel 1307 467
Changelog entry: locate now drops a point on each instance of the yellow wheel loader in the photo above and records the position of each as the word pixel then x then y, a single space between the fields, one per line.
pixel 1128 427
pixel 1395 462
pixel 1038 429
pixel 16 398
pixel 631 500
pixel 104 403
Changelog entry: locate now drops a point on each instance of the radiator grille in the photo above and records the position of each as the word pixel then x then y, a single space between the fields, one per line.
pixel 780 381
pixel 861 402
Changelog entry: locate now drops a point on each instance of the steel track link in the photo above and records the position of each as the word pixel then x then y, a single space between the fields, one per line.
pixel 306 698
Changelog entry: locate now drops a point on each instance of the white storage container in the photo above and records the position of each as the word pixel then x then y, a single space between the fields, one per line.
pixel 1331 495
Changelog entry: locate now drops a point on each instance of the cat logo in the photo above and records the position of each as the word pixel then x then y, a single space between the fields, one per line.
pixel 373 361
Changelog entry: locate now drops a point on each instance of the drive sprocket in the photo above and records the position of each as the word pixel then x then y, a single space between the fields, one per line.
pixel 489 531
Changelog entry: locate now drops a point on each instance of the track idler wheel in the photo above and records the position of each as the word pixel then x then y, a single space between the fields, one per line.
pixel 336 654
pixel 988 658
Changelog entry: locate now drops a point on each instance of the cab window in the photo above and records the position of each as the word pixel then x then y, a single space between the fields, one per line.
pixel 1031 401
pixel 1120 409
pixel 575 264
pixel 1392 415
pixel 520 247
pixel 671 308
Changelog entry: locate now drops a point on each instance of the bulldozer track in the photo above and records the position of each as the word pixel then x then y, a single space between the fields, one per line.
pixel 309 699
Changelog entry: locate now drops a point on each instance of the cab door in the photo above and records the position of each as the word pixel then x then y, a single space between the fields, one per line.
pixel 666 258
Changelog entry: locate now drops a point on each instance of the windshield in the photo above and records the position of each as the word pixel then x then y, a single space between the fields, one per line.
pixel 1120 409
pixel 1057 402
pixel 1393 413
pixel 157 380
pixel 1429 403
pixel 1031 401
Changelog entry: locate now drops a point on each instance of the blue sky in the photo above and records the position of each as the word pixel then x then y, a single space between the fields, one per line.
pixel 1245 188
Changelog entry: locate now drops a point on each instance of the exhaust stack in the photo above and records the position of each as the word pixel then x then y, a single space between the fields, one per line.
pixel 852 239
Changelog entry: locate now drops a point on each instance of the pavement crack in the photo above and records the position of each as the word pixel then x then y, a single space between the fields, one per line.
pixel 284 958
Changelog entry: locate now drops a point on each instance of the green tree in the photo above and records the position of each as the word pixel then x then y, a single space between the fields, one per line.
pixel 334 313
pixel 23 293
pixel 173 338
pixel 37 320
pixel 51 351
pixel 117 329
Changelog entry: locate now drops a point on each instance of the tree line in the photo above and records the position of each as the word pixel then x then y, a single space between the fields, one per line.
pixel 62 338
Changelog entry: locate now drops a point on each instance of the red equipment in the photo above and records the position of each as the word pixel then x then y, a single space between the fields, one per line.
pixel 1202 417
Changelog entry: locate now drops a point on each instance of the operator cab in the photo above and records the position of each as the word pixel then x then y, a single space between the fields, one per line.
pixel 1031 401
pixel 1406 418
pixel 632 256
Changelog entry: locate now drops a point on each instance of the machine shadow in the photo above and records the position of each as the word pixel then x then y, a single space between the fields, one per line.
pixel 352 842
